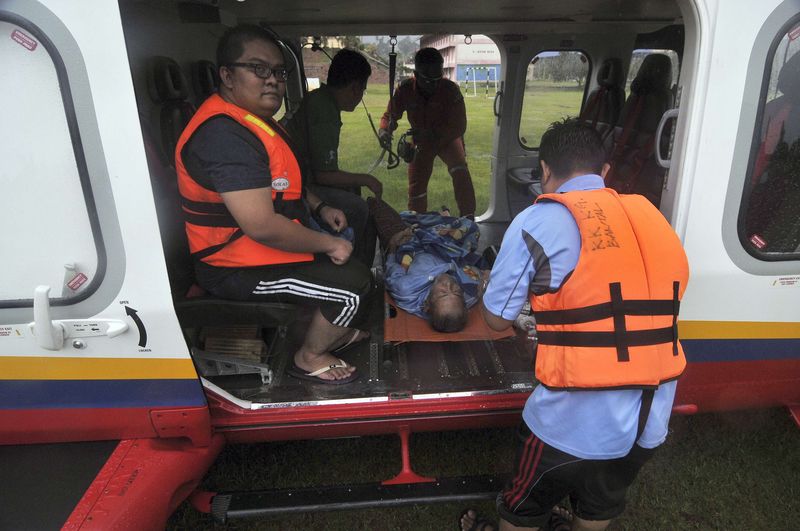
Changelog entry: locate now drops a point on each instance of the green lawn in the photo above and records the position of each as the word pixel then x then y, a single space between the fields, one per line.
pixel 715 472
pixel 358 148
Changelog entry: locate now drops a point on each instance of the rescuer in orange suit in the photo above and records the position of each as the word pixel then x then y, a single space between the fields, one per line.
pixel 438 118
pixel 248 219
pixel 604 274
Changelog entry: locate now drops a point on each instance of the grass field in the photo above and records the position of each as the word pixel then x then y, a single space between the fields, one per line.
pixel 732 471
pixel 359 147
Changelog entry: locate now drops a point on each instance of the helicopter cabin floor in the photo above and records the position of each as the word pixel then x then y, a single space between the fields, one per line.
pixel 386 369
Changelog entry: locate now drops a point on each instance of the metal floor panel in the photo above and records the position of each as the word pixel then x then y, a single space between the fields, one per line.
pixel 387 369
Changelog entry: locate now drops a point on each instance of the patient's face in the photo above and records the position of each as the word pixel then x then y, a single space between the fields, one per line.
pixel 445 294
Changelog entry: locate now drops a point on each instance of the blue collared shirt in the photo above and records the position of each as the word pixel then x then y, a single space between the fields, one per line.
pixel 540 248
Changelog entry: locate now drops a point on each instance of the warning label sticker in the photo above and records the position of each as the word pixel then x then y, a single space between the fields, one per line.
pixel 24 40
pixel 77 281
pixel 11 331
pixel 791 281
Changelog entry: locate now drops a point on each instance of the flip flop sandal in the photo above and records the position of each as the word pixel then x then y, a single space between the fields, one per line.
pixel 313 376
pixel 352 342
pixel 479 524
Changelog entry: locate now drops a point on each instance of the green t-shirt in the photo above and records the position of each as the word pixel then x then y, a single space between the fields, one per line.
pixel 315 129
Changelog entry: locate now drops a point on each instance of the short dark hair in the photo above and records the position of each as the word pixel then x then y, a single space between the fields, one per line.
pixel 451 319
pixel 428 56
pixel 572 146
pixel 231 45
pixel 348 66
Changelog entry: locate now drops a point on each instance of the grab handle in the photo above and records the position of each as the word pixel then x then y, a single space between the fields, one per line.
pixel 669 115
pixel 497 105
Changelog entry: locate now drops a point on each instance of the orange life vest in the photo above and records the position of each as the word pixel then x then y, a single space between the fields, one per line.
pixel 613 324
pixel 214 236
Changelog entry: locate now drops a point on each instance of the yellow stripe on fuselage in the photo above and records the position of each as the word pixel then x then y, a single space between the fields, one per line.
pixel 737 330
pixel 35 368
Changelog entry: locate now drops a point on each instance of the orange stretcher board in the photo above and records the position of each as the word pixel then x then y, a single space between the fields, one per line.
pixel 401 326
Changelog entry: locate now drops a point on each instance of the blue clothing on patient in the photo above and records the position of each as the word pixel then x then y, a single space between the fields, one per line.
pixel 439 244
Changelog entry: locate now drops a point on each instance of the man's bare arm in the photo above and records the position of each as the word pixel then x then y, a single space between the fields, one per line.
pixel 254 213
pixel 346 178
pixel 495 322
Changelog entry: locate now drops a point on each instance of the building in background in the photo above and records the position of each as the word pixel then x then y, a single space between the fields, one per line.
pixel 478 61
pixel 316 63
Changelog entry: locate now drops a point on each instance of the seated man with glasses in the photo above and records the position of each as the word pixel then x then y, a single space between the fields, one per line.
pixel 438 120
pixel 247 218
pixel 315 129
pixel 431 268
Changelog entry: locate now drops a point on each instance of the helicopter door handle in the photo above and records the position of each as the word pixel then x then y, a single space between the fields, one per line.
pixel 51 334
pixel 497 105
pixel 48 334
pixel 669 115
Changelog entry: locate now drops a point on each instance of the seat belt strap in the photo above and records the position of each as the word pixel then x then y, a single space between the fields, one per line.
pixel 644 411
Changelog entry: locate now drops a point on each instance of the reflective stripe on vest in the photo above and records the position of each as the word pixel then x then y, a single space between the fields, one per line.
pixel 214 236
pixel 613 324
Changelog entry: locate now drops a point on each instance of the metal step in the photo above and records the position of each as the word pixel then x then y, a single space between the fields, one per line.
pixel 225 506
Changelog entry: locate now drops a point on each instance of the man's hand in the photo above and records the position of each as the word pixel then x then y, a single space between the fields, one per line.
pixel 340 250
pixel 334 217
pixel 385 138
pixel 399 239
pixel 484 283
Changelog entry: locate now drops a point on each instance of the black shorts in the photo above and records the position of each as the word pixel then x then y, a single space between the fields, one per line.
pixel 544 476
pixel 339 291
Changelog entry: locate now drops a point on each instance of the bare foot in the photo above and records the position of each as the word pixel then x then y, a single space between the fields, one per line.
pixel 560 519
pixel 470 522
pixel 351 337
pixel 312 362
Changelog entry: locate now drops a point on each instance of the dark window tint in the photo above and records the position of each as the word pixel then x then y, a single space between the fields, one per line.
pixel 770 213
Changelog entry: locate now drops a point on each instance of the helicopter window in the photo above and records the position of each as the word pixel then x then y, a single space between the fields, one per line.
pixel 770 212
pixel 554 88
pixel 43 171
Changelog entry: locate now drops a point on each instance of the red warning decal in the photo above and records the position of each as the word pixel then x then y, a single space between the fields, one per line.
pixel 758 241
pixel 77 281
pixel 24 40
pixel 794 33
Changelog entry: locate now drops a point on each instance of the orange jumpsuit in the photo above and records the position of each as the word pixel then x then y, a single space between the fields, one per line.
pixel 440 122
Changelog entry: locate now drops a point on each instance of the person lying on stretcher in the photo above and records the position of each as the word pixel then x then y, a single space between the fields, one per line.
pixel 432 269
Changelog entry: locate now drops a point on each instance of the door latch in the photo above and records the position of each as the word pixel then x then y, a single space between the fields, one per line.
pixel 51 334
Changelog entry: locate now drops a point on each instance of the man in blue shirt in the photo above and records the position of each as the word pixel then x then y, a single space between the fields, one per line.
pixel 431 268
pixel 582 444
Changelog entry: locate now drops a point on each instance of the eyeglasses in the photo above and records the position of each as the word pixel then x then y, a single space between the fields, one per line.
pixel 265 71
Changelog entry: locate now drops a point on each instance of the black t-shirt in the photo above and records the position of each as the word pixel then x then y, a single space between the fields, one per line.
pixel 223 156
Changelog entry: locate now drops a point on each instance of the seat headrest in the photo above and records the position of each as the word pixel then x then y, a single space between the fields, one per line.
pixel 166 81
pixel 205 78
pixel 610 73
pixel 655 74
pixel 789 78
